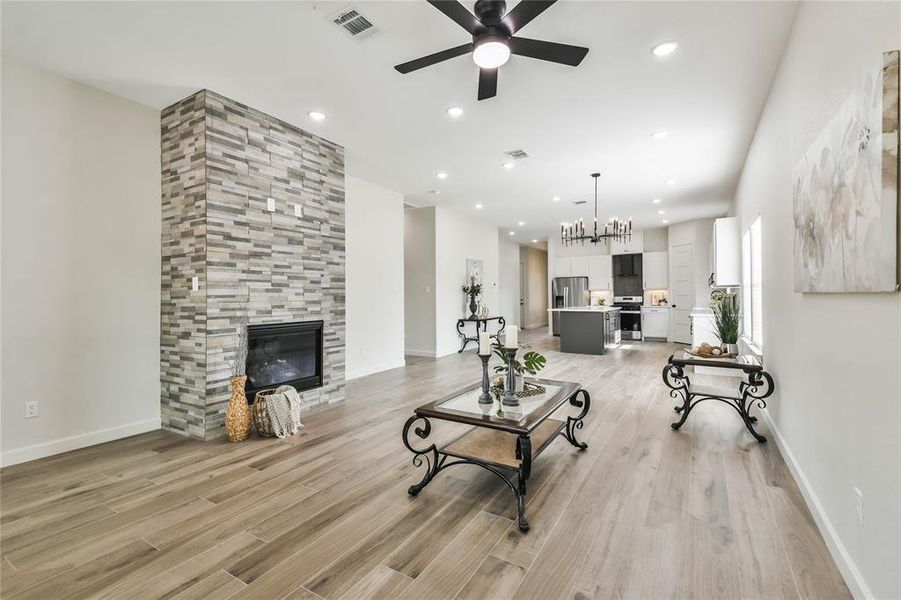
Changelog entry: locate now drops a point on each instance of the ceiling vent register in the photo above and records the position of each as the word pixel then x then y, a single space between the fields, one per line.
pixel 517 154
pixel 354 24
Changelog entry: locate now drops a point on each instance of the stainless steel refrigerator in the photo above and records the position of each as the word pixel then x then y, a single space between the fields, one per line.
pixel 566 292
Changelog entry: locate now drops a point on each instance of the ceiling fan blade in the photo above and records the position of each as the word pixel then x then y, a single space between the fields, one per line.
pixel 551 51
pixel 487 83
pixel 458 14
pixel 523 13
pixel 432 59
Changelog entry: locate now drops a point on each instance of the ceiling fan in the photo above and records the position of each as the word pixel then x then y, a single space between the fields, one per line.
pixel 493 39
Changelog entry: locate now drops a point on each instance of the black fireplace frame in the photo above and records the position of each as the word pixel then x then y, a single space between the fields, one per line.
pixel 268 330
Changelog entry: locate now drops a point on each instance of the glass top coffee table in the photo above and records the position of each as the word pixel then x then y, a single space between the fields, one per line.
pixel 504 440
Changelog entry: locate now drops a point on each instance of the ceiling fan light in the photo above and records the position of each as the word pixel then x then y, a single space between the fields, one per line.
pixel 491 54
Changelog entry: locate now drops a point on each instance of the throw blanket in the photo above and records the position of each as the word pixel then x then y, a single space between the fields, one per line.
pixel 284 411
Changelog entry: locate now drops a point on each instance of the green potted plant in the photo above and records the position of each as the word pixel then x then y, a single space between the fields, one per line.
pixel 727 319
pixel 531 363
pixel 473 289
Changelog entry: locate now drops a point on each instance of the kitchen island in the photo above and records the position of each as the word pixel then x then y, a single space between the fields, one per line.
pixel 588 329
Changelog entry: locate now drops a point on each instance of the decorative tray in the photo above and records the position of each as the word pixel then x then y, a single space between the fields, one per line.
pixel 694 352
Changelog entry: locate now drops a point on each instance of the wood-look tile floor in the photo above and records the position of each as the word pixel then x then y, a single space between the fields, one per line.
pixel 645 512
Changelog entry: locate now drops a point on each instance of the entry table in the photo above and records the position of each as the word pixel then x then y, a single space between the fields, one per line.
pixel 756 387
pixel 504 440
pixel 480 323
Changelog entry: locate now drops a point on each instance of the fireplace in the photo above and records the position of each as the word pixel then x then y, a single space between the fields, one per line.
pixel 284 354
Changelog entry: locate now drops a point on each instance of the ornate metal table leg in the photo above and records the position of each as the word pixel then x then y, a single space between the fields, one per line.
pixel 574 423
pixel 758 388
pixel 675 379
pixel 524 454
pixel 433 460
pixel 460 325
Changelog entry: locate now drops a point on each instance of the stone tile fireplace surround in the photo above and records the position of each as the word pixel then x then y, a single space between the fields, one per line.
pixel 223 165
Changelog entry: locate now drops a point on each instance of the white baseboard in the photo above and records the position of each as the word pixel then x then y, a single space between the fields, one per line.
pixel 374 369
pixel 91 438
pixel 851 574
pixel 425 353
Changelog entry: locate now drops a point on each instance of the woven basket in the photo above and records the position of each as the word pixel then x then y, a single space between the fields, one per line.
pixel 260 415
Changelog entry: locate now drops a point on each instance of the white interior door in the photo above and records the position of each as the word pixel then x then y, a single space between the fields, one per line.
pixel 683 290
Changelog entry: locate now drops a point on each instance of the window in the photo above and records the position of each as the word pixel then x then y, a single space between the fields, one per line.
pixel 752 285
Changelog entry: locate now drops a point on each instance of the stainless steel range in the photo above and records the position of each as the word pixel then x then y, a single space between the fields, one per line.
pixel 630 319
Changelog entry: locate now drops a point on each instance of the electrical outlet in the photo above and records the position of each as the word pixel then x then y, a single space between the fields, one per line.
pixel 31 409
pixel 270 204
pixel 195 284
pixel 298 210
pixel 858 502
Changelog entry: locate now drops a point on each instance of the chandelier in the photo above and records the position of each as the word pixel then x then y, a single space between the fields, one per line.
pixel 614 229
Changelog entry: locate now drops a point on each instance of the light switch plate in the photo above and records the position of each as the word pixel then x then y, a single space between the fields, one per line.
pixel 270 204
pixel 298 210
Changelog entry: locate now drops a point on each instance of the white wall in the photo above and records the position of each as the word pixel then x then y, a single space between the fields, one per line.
pixel 80 264
pixel 457 238
pixel 419 281
pixel 375 278
pixel 835 357
pixel 508 280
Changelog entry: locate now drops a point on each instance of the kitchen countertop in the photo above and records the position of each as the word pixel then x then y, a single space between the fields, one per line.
pixel 600 309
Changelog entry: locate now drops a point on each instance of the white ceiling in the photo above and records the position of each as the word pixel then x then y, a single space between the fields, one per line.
pixel 286 58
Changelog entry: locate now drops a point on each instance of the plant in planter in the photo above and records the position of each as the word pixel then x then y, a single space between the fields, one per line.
pixel 531 363
pixel 237 415
pixel 727 319
pixel 472 289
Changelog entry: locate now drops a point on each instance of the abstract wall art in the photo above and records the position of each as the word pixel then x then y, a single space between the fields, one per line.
pixel 846 193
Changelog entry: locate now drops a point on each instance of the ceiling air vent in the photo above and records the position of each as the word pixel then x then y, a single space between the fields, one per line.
pixel 354 24
pixel 517 154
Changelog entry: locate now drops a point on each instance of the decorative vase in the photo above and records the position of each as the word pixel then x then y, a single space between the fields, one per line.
pixel 472 306
pixel 519 383
pixel 237 417
pixel 731 348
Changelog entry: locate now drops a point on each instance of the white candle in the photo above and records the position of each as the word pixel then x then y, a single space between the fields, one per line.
pixel 484 343
pixel 511 337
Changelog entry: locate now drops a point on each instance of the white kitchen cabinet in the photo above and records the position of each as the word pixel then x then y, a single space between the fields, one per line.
pixel 634 245
pixel 655 269
pixel 655 322
pixel 600 272
pixel 579 266
pixel 726 252
pixel 562 267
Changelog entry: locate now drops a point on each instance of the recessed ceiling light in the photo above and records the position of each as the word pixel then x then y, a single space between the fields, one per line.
pixel 664 48
pixel 556 198
pixel 661 212
pixel 316 115
pixel 670 182
pixel 479 206
pixel 508 165
pixel 512 233
pixel 455 111
pixel 436 192
pixel 659 135
pixel 441 175
pixel 521 223
pixel 665 221
pixel 534 241
pixel 656 201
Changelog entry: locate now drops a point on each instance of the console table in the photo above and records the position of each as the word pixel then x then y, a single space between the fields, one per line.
pixel 756 387
pixel 481 325
pixel 504 440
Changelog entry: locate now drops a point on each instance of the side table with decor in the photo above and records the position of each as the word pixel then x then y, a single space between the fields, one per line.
pixel 756 386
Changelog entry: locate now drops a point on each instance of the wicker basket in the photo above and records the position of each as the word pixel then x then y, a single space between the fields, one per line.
pixel 260 415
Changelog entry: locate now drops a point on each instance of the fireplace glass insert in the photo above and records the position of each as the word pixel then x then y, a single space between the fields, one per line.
pixel 284 354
